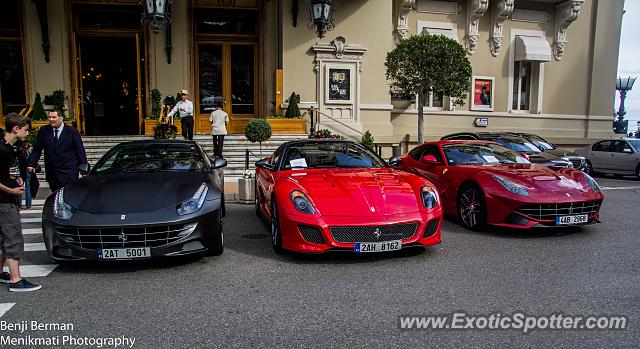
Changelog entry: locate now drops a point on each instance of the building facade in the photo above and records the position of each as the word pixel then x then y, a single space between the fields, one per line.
pixel 543 66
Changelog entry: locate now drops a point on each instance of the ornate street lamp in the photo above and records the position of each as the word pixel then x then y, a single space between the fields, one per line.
pixel 157 13
pixel 623 85
pixel 320 15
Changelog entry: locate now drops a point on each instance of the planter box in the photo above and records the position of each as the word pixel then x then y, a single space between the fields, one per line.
pixel 149 124
pixel 38 124
pixel 246 190
pixel 287 126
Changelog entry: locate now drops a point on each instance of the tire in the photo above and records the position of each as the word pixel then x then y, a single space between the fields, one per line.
pixel 276 233
pixel 588 168
pixel 638 172
pixel 472 208
pixel 215 244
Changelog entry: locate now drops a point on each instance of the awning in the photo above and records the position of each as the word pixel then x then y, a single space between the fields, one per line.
pixel 532 48
pixel 438 31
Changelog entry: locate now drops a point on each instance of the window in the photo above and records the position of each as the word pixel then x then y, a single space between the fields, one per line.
pixel 602 146
pixel 448 29
pixel 528 52
pixel 416 153
pixel 432 150
pixel 522 86
pixel 622 147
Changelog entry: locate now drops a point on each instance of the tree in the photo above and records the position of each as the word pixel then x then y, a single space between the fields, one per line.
pixel 38 113
pixel 425 63
pixel 292 110
pixel 257 130
pixel 367 140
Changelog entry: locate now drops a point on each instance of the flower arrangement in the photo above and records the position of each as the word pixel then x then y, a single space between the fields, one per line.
pixel 248 174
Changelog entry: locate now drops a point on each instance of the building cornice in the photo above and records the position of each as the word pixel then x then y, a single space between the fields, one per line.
pixel 475 10
pixel 566 13
pixel 501 11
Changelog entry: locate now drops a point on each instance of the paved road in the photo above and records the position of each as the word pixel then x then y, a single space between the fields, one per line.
pixel 251 297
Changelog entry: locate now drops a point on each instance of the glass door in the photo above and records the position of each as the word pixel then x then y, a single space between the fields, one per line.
pixel 226 77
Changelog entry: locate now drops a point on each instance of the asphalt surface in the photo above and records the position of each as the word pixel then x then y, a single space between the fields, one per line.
pixel 252 297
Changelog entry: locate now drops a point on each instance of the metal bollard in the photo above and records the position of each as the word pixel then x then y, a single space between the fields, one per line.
pixel 246 159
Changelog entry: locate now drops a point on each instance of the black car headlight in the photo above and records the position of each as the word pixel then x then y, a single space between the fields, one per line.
pixel 592 183
pixel 301 202
pixel 429 196
pixel 194 203
pixel 511 186
pixel 61 209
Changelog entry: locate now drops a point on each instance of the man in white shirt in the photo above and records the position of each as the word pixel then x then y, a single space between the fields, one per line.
pixel 184 108
pixel 219 120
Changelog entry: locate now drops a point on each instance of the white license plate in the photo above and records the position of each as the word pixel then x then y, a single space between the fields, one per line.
pixel 124 253
pixel 567 220
pixel 365 247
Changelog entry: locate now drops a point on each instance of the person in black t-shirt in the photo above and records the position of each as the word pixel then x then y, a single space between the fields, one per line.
pixel 11 187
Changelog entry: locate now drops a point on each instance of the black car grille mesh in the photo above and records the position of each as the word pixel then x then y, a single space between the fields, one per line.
pixel 431 228
pixel 549 212
pixel 311 234
pixel 373 233
pixel 93 238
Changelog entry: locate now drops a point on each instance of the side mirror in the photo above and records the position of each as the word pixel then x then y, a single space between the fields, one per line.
pixel 394 161
pixel 264 163
pixel 219 163
pixel 430 159
pixel 524 155
pixel 84 169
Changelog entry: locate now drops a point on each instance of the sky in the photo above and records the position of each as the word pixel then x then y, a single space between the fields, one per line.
pixel 629 62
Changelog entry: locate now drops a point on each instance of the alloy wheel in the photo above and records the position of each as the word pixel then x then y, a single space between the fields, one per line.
pixel 471 207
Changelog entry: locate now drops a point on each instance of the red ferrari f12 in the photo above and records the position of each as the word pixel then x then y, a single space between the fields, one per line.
pixel 481 183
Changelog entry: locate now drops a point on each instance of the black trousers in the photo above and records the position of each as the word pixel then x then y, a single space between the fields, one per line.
pixel 187 127
pixel 218 141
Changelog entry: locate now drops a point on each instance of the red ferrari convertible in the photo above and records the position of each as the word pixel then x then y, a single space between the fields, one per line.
pixel 322 195
pixel 483 183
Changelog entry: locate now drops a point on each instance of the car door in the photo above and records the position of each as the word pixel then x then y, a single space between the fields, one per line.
pixel 622 158
pixel 433 171
pixel 265 181
pixel 599 155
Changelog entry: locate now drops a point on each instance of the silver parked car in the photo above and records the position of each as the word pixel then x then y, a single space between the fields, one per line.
pixel 617 156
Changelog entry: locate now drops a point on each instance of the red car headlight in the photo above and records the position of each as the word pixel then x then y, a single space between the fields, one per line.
pixel 301 202
pixel 429 196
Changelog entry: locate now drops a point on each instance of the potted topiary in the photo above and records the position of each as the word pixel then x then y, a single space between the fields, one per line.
pixel 256 130
pixel 152 121
pixel 292 122
pixel 367 140
pixel 38 115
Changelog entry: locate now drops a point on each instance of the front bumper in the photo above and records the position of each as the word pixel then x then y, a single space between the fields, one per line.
pixel 190 236
pixel 427 231
pixel 510 213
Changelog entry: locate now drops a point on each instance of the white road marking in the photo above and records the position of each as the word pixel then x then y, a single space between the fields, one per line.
pixel 32 231
pixel 620 188
pixel 34 271
pixel 36 246
pixel 31 220
pixel 4 308
pixel 32 210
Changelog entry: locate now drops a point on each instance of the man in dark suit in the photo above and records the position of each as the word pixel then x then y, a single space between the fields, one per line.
pixel 63 151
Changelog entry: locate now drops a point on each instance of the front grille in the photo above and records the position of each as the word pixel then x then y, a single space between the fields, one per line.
pixel 93 238
pixel 549 212
pixel 373 233
pixel 577 163
pixel 311 234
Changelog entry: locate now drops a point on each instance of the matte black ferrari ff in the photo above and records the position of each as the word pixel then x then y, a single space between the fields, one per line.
pixel 143 199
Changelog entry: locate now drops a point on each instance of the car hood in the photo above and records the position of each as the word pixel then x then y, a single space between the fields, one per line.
pixel 132 192
pixel 359 192
pixel 541 179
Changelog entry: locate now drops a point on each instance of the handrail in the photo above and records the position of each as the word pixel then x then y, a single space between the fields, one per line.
pixel 312 110
pixel 28 111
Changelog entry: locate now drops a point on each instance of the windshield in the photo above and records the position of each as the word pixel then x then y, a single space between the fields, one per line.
pixel 330 155
pixel 517 145
pixel 480 154
pixel 541 143
pixel 151 157
pixel 635 143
